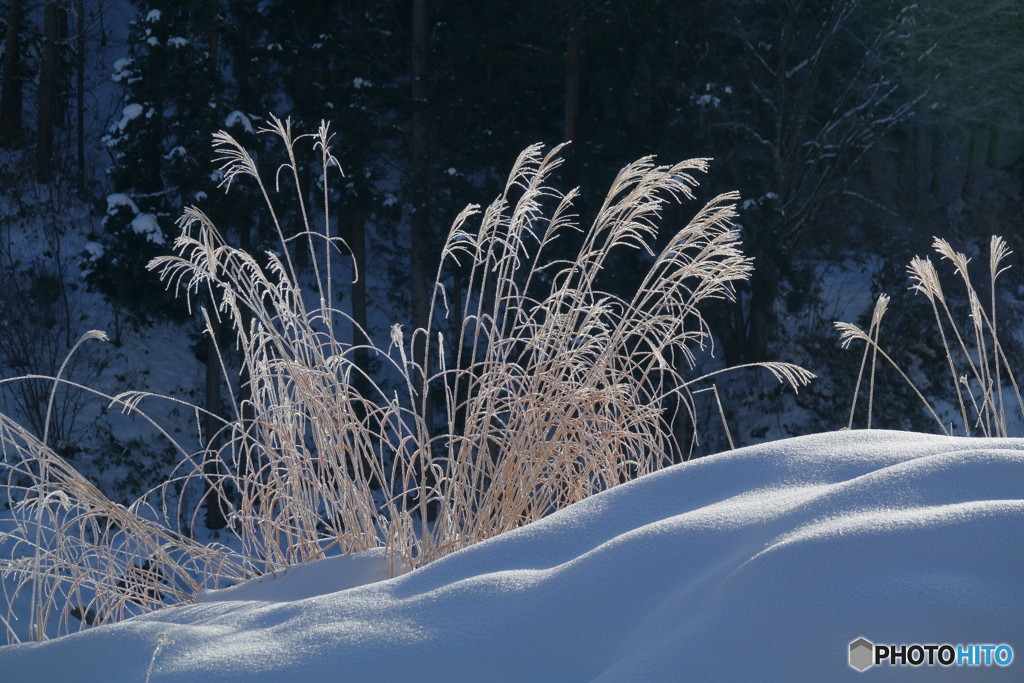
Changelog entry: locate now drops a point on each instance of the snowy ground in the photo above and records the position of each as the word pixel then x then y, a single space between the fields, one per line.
pixel 758 564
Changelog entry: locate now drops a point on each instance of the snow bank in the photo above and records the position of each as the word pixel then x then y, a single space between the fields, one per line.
pixel 313 578
pixel 758 564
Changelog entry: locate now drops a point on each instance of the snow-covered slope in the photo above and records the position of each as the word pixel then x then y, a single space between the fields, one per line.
pixel 758 564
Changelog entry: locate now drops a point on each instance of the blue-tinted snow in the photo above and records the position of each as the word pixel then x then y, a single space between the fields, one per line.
pixel 757 564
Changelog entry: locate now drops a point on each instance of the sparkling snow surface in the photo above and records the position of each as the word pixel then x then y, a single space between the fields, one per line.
pixel 757 564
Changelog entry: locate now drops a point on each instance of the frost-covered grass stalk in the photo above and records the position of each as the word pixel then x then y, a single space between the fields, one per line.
pixel 547 388
pixel 80 558
pixel 979 370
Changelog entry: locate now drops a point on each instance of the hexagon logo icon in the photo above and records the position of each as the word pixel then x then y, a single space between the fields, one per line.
pixel 862 654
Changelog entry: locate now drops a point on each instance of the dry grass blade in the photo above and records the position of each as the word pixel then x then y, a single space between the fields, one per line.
pixel 84 559
pixel 848 333
pixel 978 365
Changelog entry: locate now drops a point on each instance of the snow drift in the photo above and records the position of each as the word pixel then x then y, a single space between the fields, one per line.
pixel 762 563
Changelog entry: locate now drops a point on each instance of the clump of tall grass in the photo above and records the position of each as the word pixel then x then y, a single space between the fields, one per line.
pixel 980 373
pixel 540 391
pixel 76 557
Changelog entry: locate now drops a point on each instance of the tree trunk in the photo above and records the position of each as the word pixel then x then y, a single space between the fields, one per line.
pixel 213 34
pixel 973 161
pixel 241 62
pixel 54 17
pixel 216 504
pixel 935 182
pixel 356 237
pixel 992 155
pixel 746 331
pixel 80 91
pixel 357 243
pixel 11 92
pixel 219 495
pixel 911 167
pixel 764 287
pixel 420 238
pixel 572 88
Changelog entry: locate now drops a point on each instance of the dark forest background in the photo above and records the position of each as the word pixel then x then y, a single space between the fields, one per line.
pixel 854 131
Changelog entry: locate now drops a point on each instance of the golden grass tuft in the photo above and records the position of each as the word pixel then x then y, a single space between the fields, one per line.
pixel 547 388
